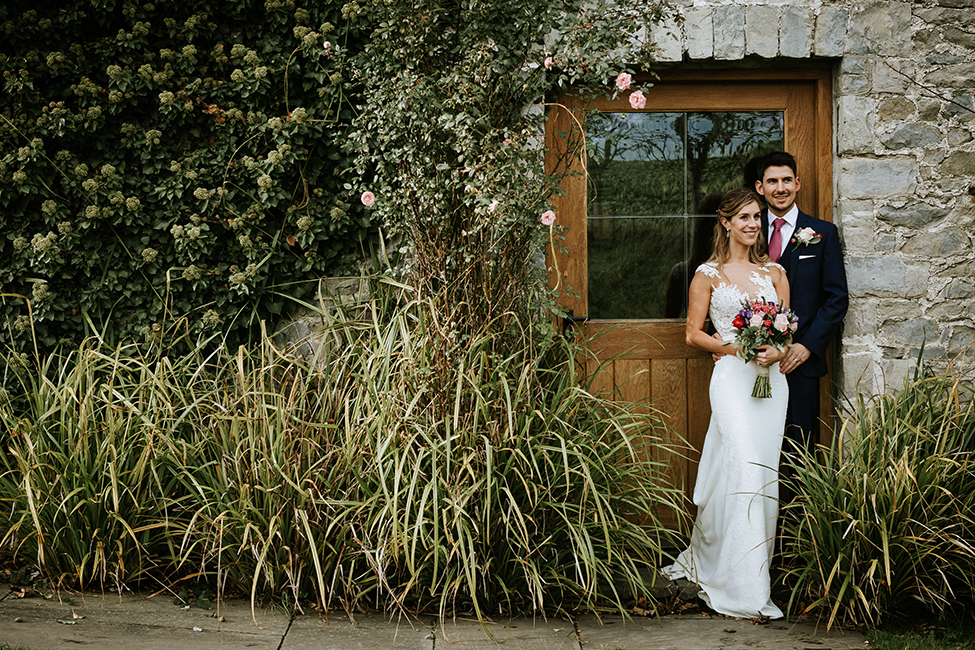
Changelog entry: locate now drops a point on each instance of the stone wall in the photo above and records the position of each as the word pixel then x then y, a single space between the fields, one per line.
pixel 904 160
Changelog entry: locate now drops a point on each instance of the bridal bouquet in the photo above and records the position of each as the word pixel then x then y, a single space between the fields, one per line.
pixel 763 323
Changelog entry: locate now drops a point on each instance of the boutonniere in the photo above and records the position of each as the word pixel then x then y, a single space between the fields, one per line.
pixel 805 237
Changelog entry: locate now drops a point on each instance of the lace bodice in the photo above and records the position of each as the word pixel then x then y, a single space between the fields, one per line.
pixel 726 298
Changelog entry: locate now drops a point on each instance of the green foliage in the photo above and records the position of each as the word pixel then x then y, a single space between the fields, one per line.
pixel 335 481
pixel 916 633
pixel 884 521
pixel 170 160
pixel 80 475
pixel 441 452
pixel 530 494
pixel 450 140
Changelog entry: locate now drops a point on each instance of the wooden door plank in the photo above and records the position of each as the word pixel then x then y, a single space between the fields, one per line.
pixel 668 386
pixel 641 339
pixel 634 381
pixel 698 416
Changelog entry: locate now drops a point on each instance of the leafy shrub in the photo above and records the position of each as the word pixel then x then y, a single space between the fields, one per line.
pixel 335 482
pixel 170 160
pixel 450 140
pixel 885 520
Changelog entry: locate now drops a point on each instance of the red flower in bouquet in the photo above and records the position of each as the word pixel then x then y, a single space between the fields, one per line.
pixel 760 322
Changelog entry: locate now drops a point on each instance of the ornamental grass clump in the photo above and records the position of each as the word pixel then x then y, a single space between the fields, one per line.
pixel 335 482
pixel 885 519
pixel 81 476
pixel 528 494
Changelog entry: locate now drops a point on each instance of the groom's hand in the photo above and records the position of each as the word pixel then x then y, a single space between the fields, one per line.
pixel 795 357
pixel 717 355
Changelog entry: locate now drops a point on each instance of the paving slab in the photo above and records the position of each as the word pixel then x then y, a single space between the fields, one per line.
pixel 361 632
pixel 706 631
pixel 137 622
pixel 134 622
pixel 512 634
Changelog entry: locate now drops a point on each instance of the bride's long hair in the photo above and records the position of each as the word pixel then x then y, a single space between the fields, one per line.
pixel 731 204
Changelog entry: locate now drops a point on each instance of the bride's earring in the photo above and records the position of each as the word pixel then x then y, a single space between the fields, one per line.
pixel 727 233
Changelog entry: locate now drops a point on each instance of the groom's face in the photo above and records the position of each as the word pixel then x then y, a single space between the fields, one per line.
pixel 779 186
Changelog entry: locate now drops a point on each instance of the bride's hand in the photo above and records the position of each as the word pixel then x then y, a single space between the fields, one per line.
pixel 768 355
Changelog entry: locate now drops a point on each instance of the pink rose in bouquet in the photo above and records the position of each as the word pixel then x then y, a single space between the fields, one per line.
pixel 760 322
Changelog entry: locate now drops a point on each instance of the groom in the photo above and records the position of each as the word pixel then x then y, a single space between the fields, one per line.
pixel 809 249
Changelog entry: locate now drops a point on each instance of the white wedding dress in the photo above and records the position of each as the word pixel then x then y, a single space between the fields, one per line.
pixel 736 493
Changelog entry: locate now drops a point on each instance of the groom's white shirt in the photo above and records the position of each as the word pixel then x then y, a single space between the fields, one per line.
pixel 787 229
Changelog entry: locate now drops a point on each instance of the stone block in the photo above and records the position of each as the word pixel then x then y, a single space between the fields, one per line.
pixel 831 26
pixel 958 137
pixel 913 332
pixel 896 372
pixel 939 59
pixel 949 310
pixel 912 215
pixel 856 126
pixel 858 370
pixel 895 108
pixel 729 33
pixel 962 340
pixel 928 109
pixel 961 75
pixel 762 30
pixel 304 332
pixel 937 244
pixel 699 31
pixel 932 158
pixel 911 135
pixel 961 289
pixel 959 163
pixel 891 76
pixel 962 106
pixel 885 243
pixel 886 277
pixel 796 33
pixel 854 84
pixel 865 178
pixel 853 65
pixel 861 319
pixel 960 4
pixel 882 28
pixel 959 37
pixel 960 270
pixel 669 38
pixel 943 15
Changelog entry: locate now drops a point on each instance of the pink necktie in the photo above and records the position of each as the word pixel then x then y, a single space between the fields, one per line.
pixel 775 243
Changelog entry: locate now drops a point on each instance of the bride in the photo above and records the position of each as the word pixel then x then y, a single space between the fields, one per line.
pixel 736 493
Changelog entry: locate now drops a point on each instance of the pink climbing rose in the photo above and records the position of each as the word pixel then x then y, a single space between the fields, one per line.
pixel 368 198
pixel 548 217
pixel 638 100
pixel 623 81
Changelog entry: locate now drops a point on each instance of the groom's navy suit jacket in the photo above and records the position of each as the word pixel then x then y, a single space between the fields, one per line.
pixel 817 286
pixel 818 295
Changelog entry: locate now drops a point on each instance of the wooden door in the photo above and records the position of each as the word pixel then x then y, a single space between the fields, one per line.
pixel 639 351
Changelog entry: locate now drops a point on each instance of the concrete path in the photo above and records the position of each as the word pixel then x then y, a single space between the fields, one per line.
pixel 134 622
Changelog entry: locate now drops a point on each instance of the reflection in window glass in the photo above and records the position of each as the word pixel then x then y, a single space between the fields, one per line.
pixel 651 177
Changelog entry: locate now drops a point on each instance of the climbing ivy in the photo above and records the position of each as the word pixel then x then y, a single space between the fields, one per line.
pixel 171 166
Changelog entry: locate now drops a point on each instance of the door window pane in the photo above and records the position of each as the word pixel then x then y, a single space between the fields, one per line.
pixel 651 176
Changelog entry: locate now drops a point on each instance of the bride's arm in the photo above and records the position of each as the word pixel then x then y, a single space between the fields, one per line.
pixel 698 301
pixel 781 284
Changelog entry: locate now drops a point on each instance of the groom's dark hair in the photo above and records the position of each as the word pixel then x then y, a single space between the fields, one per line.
pixel 777 159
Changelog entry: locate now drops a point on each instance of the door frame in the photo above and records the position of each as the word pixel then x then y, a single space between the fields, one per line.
pixel 805 96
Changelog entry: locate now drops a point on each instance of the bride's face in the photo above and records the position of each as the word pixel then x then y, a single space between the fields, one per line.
pixel 745 226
